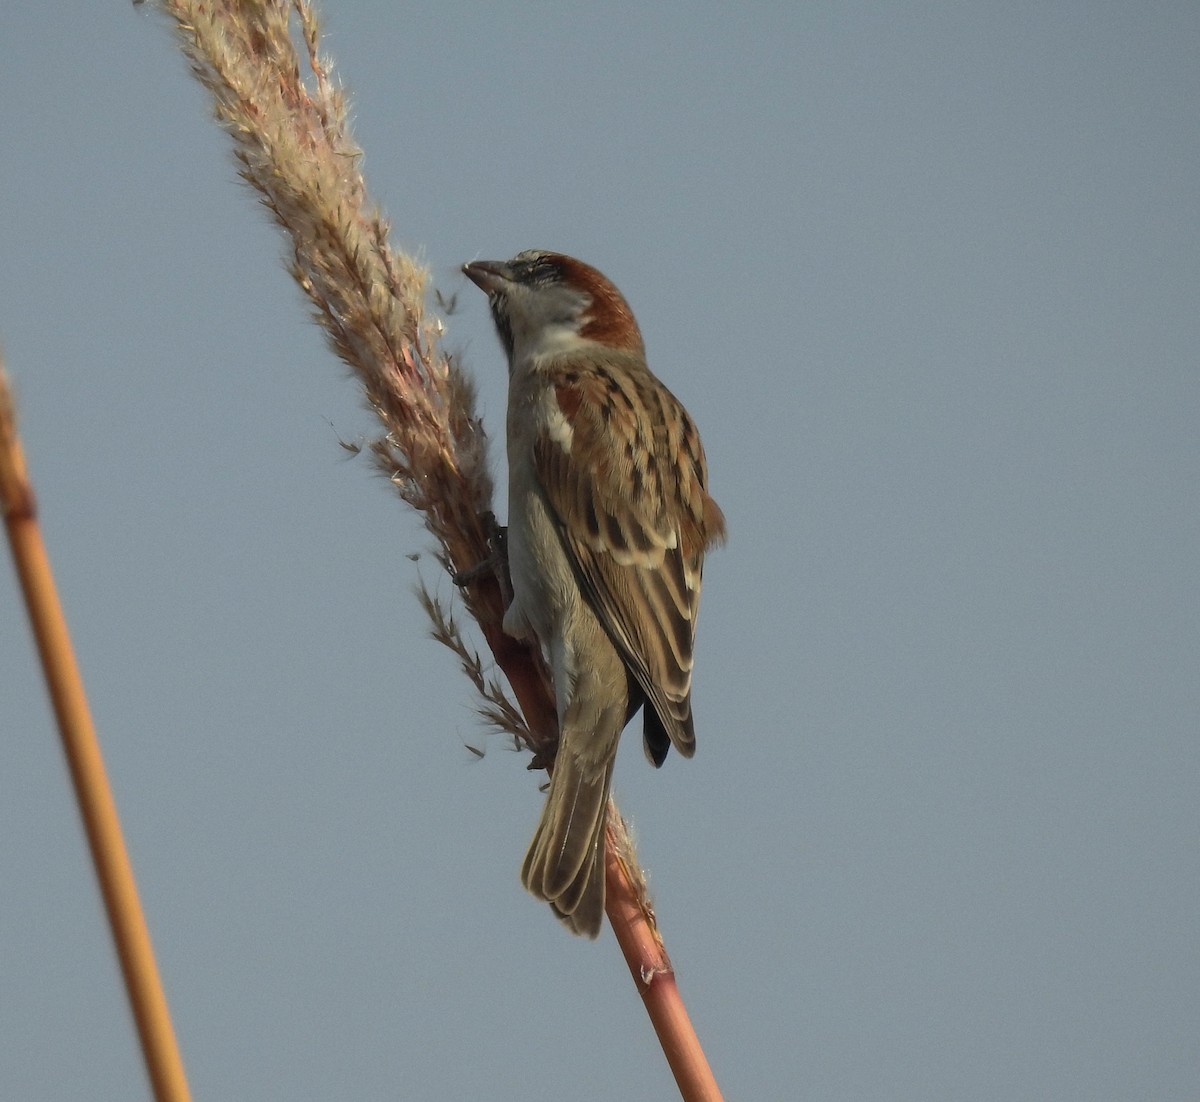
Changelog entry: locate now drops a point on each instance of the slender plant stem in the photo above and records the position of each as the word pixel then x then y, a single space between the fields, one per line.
pixel 92 791
pixel 636 929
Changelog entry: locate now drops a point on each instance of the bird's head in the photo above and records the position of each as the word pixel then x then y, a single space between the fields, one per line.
pixel 544 303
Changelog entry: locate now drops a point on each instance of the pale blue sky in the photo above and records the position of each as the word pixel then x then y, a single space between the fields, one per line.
pixel 926 275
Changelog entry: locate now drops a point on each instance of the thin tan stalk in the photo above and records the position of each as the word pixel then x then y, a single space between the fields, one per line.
pixel 287 120
pixel 92 791
pixel 636 930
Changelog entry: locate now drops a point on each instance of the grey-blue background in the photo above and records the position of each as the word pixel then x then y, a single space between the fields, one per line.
pixel 927 276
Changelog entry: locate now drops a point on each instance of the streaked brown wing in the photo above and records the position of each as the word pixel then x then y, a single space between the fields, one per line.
pixel 629 492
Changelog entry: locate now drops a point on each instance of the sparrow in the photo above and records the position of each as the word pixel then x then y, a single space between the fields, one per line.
pixel 609 518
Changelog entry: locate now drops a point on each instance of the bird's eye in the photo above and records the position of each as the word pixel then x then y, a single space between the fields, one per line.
pixel 546 271
pixel 537 269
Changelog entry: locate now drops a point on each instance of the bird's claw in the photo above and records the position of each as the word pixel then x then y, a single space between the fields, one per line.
pixel 495 563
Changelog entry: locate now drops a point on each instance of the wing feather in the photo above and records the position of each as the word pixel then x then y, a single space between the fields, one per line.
pixel 628 488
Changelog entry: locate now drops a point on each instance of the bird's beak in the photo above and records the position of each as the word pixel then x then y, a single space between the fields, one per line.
pixel 489 276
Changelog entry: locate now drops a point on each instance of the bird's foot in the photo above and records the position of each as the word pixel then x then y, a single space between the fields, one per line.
pixel 496 562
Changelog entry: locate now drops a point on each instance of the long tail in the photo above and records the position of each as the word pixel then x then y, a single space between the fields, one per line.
pixel 565 862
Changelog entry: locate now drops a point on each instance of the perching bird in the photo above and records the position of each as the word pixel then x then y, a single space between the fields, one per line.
pixel 609 517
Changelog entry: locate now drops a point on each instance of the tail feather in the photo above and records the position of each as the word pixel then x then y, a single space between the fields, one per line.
pixel 583 913
pixel 565 862
pixel 659 734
